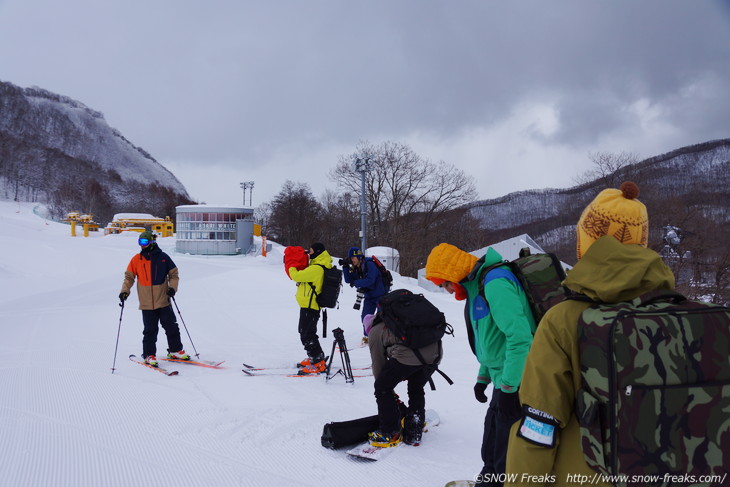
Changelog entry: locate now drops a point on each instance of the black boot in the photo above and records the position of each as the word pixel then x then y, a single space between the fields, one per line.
pixel 413 427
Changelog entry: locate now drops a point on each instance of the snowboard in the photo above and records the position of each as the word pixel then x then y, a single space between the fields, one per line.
pixel 373 453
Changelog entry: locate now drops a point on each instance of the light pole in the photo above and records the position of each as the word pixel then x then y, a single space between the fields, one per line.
pixel 361 164
pixel 247 185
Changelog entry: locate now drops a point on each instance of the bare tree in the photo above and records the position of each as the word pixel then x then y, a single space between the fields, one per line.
pixel 407 195
pixel 610 168
pixel 262 216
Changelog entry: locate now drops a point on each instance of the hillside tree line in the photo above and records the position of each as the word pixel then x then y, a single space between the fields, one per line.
pixel 414 204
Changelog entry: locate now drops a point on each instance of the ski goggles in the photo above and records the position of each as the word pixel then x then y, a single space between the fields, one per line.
pixel 144 242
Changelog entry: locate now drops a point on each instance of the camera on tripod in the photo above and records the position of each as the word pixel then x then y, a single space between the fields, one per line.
pixel 358 299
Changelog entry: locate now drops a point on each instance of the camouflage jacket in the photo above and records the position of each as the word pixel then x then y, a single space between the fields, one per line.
pixel 610 272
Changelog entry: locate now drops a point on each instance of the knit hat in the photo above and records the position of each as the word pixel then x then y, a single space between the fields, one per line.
pixel 448 263
pixel 614 212
pixel 317 248
pixel 148 235
pixel 354 252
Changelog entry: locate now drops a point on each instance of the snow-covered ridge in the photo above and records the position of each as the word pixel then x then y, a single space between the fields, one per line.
pixel 61 123
pixel 676 173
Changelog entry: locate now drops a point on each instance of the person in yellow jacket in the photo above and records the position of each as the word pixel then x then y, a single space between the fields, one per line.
pixel 309 283
pixel 614 265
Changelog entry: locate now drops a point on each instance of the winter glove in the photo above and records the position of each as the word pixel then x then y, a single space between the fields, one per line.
pixel 123 297
pixel 479 389
pixel 170 291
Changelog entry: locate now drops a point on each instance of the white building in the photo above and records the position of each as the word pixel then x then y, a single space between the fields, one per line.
pixel 214 230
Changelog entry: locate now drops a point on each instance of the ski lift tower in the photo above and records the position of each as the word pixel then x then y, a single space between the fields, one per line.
pixel 361 164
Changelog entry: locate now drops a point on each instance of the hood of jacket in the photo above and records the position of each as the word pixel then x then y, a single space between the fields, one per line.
pixel 448 263
pixel 490 258
pixel 611 272
pixel 322 259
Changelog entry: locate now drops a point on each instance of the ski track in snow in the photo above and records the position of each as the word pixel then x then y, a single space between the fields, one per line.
pixel 66 420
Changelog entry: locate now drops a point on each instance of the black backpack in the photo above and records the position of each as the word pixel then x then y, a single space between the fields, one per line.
pixel 384 273
pixel 415 321
pixel 331 285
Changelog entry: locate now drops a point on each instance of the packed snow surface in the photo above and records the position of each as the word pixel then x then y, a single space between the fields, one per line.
pixel 67 420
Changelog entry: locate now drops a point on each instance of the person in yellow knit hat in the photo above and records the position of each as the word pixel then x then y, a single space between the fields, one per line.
pixel 499 326
pixel 614 265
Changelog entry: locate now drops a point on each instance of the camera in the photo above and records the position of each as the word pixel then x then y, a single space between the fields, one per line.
pixel 343 262
pixel 358 299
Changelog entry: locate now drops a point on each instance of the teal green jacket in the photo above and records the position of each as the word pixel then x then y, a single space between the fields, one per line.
pixel 502 324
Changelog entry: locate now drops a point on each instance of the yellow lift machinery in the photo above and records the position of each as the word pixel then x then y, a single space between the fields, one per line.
pixel 139 222
pixel 87 221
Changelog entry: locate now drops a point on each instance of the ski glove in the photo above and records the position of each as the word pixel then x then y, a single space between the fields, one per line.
pixel 123 297
pixel 170 292
pixel 479 389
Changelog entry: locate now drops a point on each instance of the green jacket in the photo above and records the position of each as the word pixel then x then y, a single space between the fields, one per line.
pixel 610 272
pixel 312 274
pixel 503 327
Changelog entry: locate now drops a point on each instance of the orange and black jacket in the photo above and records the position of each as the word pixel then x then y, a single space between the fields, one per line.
pixel 155 273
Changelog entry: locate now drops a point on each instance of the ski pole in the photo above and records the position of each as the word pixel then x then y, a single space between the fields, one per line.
pixel 119 328
pixel 197 355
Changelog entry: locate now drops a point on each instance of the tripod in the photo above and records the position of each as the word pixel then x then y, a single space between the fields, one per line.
pixel 346 369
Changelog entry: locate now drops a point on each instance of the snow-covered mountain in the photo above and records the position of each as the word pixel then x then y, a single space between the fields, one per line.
pixel 58 151
pixel 694 179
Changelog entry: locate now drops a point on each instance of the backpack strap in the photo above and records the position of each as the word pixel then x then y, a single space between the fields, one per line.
pixel 495 271
pixel 314 289
pixel 324 311
pixel 433 367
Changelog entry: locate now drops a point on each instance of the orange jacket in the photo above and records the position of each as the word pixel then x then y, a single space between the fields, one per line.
pixel 155 273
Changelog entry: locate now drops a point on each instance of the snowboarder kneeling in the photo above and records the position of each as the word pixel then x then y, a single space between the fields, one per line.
pixel 392 364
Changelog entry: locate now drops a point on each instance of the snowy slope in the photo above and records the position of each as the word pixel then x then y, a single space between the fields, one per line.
pixel 66 420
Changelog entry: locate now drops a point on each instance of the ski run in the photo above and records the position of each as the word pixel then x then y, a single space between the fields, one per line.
pixel 68 421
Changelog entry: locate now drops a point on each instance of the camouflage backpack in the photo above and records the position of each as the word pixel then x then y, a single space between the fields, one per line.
pixel 541 277
pixel 655 395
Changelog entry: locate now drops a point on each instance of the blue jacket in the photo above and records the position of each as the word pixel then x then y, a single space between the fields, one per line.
pixel 367 277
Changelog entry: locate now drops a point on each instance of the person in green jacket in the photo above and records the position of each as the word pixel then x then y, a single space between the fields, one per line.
pixel 613 265
pixel 500 327
pixel 309 284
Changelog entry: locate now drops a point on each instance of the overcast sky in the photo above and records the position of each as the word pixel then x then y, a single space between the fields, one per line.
pixel 515 93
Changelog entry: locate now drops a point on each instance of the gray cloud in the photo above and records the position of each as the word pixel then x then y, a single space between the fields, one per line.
pixel 268 88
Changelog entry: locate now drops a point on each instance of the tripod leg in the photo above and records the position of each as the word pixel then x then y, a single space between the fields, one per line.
pixel 329 361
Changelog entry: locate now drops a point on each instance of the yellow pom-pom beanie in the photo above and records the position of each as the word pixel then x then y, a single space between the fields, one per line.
pixel 614 212
pixel 448 263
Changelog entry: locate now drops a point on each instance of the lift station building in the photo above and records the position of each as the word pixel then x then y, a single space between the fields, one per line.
pixel 214 230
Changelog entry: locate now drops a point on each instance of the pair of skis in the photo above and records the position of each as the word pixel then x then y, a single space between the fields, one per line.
pixel 253 371
pixel 200 363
